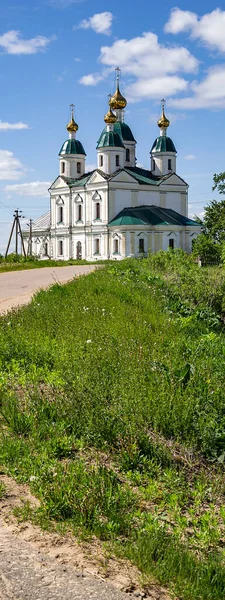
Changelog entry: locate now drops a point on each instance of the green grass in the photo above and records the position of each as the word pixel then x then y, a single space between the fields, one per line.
pixel 19 263
pixel 112 408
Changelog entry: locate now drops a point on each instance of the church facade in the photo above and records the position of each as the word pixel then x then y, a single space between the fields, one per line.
pixel 118 209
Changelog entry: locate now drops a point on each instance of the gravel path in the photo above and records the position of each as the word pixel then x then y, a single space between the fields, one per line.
pixel 18 287
pixel 27 574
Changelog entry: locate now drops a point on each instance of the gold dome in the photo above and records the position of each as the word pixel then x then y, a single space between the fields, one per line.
pixel 110 118
pixel 72 126
pixel 118 102
pixel 163 122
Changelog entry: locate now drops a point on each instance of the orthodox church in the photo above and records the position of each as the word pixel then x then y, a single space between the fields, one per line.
pixel 118 209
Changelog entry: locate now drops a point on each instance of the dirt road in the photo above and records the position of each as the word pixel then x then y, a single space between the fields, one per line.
pixel 18 287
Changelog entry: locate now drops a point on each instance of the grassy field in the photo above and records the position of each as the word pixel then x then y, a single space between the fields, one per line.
pixel 19 263
pixel 113 410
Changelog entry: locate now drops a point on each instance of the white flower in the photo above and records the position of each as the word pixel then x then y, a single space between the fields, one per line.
pixel 89 341
pixel 33 478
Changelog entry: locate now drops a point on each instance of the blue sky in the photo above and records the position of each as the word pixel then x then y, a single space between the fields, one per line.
pixel 54 52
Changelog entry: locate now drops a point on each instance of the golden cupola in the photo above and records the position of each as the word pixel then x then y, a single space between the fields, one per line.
pixel 110 118
pixel 163 122
pixel 72 126
pixel 117 101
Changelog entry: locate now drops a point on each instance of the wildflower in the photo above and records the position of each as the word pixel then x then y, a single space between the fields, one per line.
pixel 89 341
pixel 33 478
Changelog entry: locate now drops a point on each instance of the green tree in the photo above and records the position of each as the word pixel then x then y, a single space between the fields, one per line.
pixel 219 182
pixel 214 220
pixel 208 250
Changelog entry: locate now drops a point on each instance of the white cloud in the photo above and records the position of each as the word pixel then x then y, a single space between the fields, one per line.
pixel 190 157
pixel 209 28
pixel 144 56
pixel 91 79
pixel 10 167
pixel 100 23
pixel 13 43
pixel 208 93
pixel 156 87
pixel 154 69
pixel 33 188
pixel 4 126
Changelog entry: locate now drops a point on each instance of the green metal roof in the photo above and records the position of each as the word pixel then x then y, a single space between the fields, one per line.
pixel 151 215
pixel 110 139
pixel 124 131
pixel 72 147
pixel 143 176
pixel 163 144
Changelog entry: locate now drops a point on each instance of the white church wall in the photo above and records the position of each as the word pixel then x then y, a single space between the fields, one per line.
pixel 173 200
pixel 122 199
pixel 149 197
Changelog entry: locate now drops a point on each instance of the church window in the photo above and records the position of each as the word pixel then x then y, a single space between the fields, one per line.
pixel 101 160
pixel 79 212
pixel 62 168
pixel 97 210
pixel 78 167
pixel 115 246
pixel 117 160
pixel 45 249
pixel 169 164
pixel 141 245
pixel 127 155
pixel 97 246
pixel 79 251
pixel 171 244
pixel 60 248
pixel 153 164
pixel 60 214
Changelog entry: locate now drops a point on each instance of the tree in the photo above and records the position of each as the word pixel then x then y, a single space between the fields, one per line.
pixel 208 250
pixel 219 182
pixel 214 220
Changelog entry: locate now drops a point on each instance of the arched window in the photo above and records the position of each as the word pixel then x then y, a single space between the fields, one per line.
pixel 101 160
pixel 117 160
pixel 62 168
pixel 79 212
pixel 97 210
pixel 78 167
pixel 60 214
pixel 60 248
pixel 127 155
pixel 171 244
pixel 141 245
pixel 153 164
pixel 45 249
pixel 115 246
pixel 79 251
pixel 97 246
pixel 169 164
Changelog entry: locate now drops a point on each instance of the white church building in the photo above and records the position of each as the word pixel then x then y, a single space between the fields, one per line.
pixel 118 209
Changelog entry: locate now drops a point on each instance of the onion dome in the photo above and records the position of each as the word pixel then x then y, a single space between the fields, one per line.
pixel 72 126
pixel 117 101
pixel 124 131
pixel 110 118
pixel 163 122
pixel 72 147
pixel 163 144
pixel 110 139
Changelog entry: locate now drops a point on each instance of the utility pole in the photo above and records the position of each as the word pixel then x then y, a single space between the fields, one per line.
pixel 16 225
pixel 30 241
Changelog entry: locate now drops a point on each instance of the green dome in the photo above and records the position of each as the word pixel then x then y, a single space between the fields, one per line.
pixel 163 144
pixel 109 139
pixel 124 131
pixel 72 147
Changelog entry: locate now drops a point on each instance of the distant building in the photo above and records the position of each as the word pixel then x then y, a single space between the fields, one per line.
pixel 118 209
